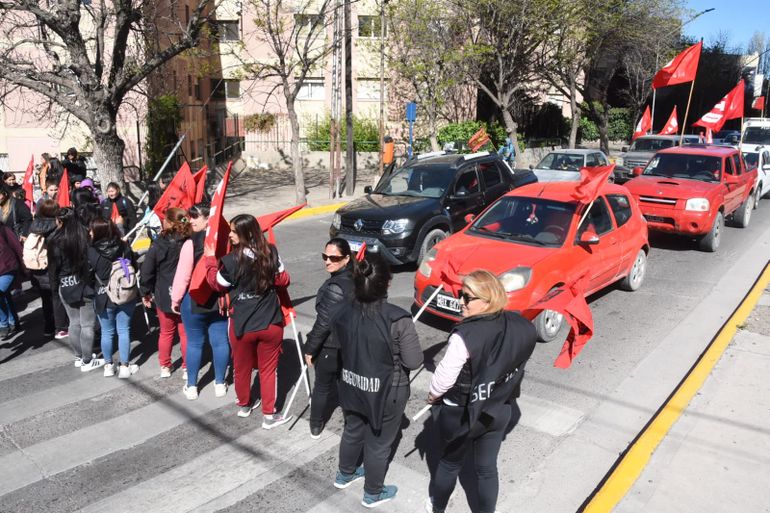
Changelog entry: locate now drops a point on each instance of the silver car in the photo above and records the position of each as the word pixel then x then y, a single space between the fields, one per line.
pixel 564 165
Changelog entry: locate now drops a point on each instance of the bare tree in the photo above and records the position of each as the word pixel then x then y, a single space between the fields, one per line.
pixel 86 57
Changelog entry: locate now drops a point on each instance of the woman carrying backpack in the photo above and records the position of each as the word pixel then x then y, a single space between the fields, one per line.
pixel 10 269
pixel 158 270
pixel 118 208
pixel 67 248
pixel 250 273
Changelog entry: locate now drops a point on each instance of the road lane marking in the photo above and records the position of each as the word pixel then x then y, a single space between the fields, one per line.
pixel 314 211
pixel 629 466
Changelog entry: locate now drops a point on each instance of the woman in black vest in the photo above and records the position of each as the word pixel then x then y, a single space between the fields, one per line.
pixel 321 349
pixel 378 346
pixel 475 387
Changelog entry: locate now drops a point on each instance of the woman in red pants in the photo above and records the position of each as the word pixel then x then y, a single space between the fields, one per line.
pixel 250 274
pixel 157 276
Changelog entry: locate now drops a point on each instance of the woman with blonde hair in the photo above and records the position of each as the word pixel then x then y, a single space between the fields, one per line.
pixel 475 387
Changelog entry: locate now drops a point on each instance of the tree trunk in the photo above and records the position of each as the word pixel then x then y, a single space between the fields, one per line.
pixel 575 111
pixel 511 127
pixel 350 152
pixel 108 154
pixel 604 130
pixel 296 158
pixel 434 146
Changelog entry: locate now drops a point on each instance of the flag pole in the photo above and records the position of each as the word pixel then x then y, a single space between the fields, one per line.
pixel 163 167
pixel 303 370
pixel 687 111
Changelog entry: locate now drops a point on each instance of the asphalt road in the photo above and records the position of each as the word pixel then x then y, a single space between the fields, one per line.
pixel 71 441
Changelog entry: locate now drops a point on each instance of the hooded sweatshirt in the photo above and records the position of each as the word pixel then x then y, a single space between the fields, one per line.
pixel 158 270
pixel 101 255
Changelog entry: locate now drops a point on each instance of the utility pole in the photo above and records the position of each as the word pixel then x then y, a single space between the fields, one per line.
pixel 335 156
pixel 382 86
pixel 350 151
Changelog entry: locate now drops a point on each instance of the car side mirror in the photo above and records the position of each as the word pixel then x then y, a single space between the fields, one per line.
pixel 469 218
pixel 368 189
pixel 459 195
pixel 731 178
pixel 624 149
pixel 589 237
pixel 637 171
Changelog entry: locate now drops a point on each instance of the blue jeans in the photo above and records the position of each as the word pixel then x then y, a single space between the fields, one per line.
pixel 197 326
pixel 8 315
pixel 116 319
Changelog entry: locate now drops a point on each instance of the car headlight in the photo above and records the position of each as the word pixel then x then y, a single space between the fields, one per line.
pixel 394 226
pixel 516 279
pixel 425 268
pixel 337 221
pixel 697 204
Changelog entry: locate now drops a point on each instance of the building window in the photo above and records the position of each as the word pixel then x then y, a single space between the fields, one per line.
pixel 225 89
pixel 233 89
pixel 4 161
pixel 227 30
pixel 198 94
pixel 304 22
pixel 370 26
pixel 312 89
pixel 368 89
pixel 187 14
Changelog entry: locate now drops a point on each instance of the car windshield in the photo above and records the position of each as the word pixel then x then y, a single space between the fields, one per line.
pixel 534 221
pixel 693 167
pixel 420 181
pixel 561 162
pixel 757 135
pixel 752 159
pixel 651 144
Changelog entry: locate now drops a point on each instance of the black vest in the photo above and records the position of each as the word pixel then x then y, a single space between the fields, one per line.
pixel 367 357
pixel 499 346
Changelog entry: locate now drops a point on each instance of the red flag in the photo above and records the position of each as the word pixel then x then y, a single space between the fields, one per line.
pixel 29 185
pixel 569 301
pixel 63 196
pixel 216 236
pixel 644 125
pixel 680 69
pixel 479 139
pixel 759 103
pixel 592 179
pixel 729 107
pixel 672 125
pixel 180 193
pixel 200 184
pixel 361 252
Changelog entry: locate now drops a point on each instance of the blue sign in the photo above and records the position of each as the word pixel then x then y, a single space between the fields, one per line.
pixel 411 112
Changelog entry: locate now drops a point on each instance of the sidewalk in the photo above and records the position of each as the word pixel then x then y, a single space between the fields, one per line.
pixel 718 452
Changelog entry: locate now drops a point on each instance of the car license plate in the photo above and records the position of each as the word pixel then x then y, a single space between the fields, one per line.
pixel 448 303
pixel 354 246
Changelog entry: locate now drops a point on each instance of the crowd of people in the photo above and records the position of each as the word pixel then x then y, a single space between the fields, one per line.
pixel 362 347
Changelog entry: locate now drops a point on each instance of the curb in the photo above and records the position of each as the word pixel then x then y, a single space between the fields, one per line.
pixel 315 211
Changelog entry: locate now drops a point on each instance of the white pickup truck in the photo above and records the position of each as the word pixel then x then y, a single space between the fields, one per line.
pixel 759 159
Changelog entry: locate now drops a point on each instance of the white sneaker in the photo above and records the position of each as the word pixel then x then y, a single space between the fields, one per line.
pixel 95 363
pixel 109 370
pixel 220 389
pixel 165 372
pixel 127 370
pixel 190 393
pixel 184 375
pixel 78 362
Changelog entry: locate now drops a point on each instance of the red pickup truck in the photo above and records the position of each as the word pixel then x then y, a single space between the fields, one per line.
pixel 690 190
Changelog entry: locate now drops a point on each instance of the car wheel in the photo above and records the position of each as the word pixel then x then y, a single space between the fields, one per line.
pixel 635 276
pixel 432 238
pixel 548 325
pixel 742 216
pixel 757 197
pixel 710 241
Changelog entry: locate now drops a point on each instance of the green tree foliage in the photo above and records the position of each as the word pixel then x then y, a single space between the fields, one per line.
pixel 621 125
pixel 366 135
pixel 460 133
pixel 164 116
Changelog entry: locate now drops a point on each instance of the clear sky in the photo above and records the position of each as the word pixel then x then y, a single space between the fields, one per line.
pixel 739 19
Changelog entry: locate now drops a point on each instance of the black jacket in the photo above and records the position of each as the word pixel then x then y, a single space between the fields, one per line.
pixel 43 226
pixel 73 278
pixel 101 255
pixel 126 210
pixel 330 297
pixel 158 268
pixel 19 217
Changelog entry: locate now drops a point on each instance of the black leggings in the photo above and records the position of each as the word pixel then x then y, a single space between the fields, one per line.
pixel 486 447
pixel 325 388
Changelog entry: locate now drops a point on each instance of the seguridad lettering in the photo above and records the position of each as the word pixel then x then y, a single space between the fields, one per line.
pixel 360 382
pixel 69 281
pixel 484 390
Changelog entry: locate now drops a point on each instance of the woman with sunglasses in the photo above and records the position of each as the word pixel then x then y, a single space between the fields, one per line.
pixel 250 273
pixel 378 348
pixel 475 386
pixel 200 319
pixel 322 350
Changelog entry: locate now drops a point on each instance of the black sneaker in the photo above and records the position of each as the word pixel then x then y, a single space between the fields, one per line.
pixel 315 431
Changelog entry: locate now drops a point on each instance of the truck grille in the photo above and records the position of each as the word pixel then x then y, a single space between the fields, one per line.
pixel 657 200
pixel 368 226
pixel 634 163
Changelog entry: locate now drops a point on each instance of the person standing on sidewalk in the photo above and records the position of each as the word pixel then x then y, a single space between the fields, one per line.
pixel 321 349
pixel 157 274
pixel 11 268
pixel 67 250
pixel 107 247
pixel 118 208
pixel 200 320
pixel 475 387
pixel 250 274
pixel 378 346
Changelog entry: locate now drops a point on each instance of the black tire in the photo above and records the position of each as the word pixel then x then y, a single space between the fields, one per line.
pixel 742 216
pixel 757 196
pixel 431 238
pixel 635 276
pixel 710 241
pixel 548 325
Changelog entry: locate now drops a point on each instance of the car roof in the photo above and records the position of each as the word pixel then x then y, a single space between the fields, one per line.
pixel 702 149
pixel 451 160
pixel 561 191
pixel 576 151
pixel 666 137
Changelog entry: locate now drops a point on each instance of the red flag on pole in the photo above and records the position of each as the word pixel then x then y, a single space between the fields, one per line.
pixel 479 139
pixel 672 125
pixel 29 185
pixel 680 69
pixel 200 184
pixel 569 301
pixel 759 103
pixel 644 125
pixel 361 252
pixel 63 196
pixel 709 136
pixel 216 237
pixel 180 193
pixel 592 179
pixel 729 107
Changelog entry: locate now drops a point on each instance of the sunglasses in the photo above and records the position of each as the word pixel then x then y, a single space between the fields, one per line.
pixel 194 215
pixel 467 298
pixel 333 258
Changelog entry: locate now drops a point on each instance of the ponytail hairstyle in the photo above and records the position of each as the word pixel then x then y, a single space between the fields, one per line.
pixel 73 238
pixel 254 257
pixel 371 280
pixel 178 221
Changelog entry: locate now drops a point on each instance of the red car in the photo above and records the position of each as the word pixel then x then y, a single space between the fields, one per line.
pixel 690 191
pixel 531 240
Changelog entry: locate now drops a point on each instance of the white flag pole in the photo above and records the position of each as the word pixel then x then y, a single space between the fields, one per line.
pixel 303 369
